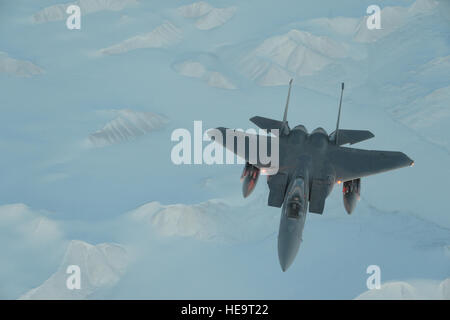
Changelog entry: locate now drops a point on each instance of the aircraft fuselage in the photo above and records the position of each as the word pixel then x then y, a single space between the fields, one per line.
pixel 307 152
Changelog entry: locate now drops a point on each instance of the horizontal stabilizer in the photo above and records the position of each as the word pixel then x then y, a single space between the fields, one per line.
pixel 351 136
pixel 266 123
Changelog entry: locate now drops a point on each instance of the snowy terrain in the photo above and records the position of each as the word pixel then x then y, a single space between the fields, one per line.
pixel 406 291
pixel 58 12
pixel 221 236
pixel 195 69
pixel 162 36
pixel 127 124
pixel 427 115
pixel 296 53
pixel 101 267
pixel 207 17
pixel 186 230
pixel 393 19
pixel 214 220
pixel 16 67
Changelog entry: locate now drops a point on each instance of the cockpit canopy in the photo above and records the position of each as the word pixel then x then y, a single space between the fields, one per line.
pixel 295 201
pixel 294 209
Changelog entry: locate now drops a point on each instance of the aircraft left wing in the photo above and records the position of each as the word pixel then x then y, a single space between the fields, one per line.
pixel 266 123
pixel 352 163
pixel 247 146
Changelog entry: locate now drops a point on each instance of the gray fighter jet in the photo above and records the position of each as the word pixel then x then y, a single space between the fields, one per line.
pixel 310 164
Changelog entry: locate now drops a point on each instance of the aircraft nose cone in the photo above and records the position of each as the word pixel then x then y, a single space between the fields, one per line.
pixel 286 258
pixel 285 262
pixel 288 245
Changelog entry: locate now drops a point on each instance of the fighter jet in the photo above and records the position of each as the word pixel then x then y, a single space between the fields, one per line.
pixel 310 164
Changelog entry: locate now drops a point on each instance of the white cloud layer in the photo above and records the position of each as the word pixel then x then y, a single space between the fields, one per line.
pixel 18 68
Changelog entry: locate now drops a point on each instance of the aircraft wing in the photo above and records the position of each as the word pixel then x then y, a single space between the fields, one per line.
pixel 351 136
pixel 352 163
pixel 266 123
pixel 247 146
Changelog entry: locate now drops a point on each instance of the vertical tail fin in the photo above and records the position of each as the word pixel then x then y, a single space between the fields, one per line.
pixel 285 128
pixel 336 133
pixel 287 102
pixel 270 124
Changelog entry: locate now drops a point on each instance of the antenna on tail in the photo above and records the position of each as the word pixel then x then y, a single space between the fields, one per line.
pixel 285 129
pixel 287 102
pixel 336 133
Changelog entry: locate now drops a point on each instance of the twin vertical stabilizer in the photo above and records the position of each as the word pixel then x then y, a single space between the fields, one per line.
pixel 336 133
pixel 339 136
pixel 270 124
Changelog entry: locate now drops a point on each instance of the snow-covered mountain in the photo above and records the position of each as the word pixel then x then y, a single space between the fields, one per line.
pixel 195 69
pixel 244 234
pixel 204 235
pixel 317 51
pixel 162 36
pixel 392 19
pixel 213 220
pixel 418 289
pixel 188 245
pixel 32 227
pixel 207 17
pixel 101 267
pixel 17 67
pixel 342 26
pixel 444 288
pixel 127 125
pixel 195 10
pixel 296 53
pixel 427 116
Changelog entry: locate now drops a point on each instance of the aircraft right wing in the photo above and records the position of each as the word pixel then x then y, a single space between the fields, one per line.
pixel 351 136
pixel 247 146
pixel 352 163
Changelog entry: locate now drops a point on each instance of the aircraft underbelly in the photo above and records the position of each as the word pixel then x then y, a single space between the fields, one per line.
pixel 293 217
pixel 319 192
pixel 289 239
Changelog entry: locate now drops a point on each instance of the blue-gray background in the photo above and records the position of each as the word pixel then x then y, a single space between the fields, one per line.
pixel 58 87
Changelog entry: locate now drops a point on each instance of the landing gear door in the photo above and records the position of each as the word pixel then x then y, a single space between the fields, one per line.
pixel 319 192
pixel 277 185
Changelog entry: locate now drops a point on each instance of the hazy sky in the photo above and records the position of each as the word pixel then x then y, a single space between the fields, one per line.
pixel 148 58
